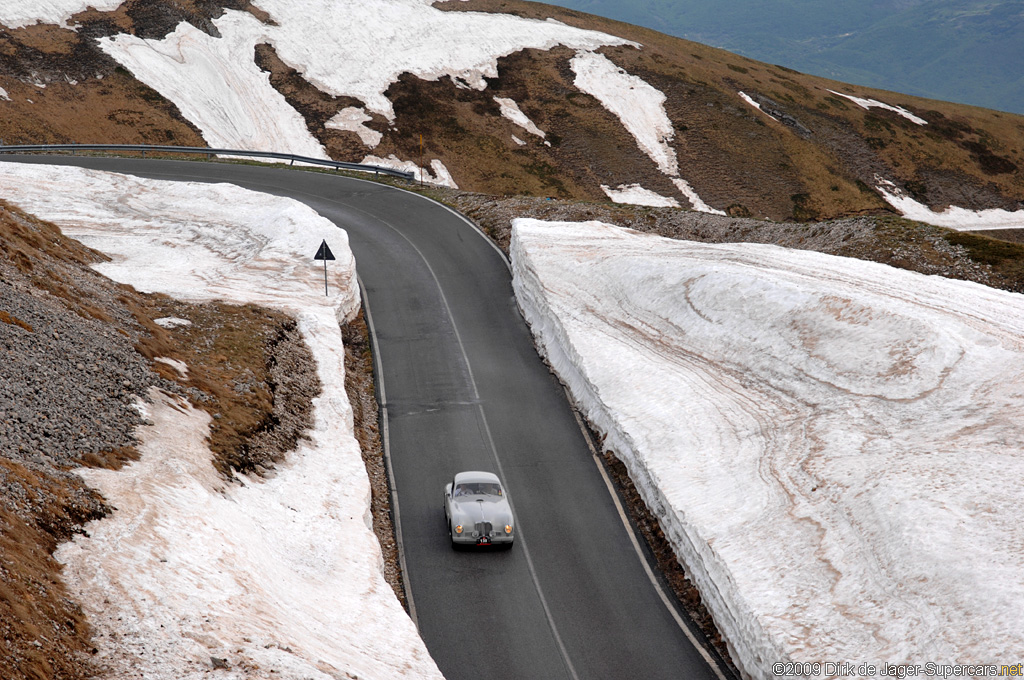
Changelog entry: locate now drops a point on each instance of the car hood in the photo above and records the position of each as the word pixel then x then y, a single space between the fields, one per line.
pixel 497 513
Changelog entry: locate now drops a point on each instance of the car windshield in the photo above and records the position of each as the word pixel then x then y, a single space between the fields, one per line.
pixel 478 489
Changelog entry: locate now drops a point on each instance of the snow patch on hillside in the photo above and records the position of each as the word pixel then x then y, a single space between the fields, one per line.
pixel 441 176
pixel 511 110
pixel 379 41
pixel 874 103
pixel 952 217
pixel 217 85
pixel 21 13
pixel 281 577
pixel 354 120
pixel 833 446
pixel 219 88
pixel 640 108
pixel 750 100
pixel 634 194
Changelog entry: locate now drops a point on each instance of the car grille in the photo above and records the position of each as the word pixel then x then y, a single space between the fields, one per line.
pixel 483 529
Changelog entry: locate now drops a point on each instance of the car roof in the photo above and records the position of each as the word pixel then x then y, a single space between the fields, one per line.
pixel 476 476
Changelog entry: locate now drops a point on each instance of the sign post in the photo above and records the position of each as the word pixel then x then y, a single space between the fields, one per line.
pixel 324 253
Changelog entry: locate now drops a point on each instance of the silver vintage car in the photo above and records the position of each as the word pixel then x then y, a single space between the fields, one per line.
pixel 477 511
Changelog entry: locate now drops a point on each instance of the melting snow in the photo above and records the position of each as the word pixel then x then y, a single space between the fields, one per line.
pixel 441 175
pixel 354 120
pixel 699 205
pixel 21 13
pixel 869 103
pixel 641 109
pixel 217 85
pixel 747 98
pixel 634 194
pixel 639 106
pixel 952 217
pixel 180 366
pixel 171 322
pixel 834 446
pixel 281 577
pixel 511 110
pixel 4 95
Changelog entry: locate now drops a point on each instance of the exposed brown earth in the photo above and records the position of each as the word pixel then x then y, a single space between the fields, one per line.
pixel 359 385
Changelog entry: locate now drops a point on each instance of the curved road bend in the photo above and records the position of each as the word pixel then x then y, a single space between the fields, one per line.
pixel 465 389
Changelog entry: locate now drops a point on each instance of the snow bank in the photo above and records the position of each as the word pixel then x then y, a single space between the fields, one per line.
pixel 281 577
pixel 952 217
pixel 21 13
pixel 834 447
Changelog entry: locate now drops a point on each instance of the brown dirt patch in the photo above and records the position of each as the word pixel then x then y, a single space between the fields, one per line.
pixel 248 367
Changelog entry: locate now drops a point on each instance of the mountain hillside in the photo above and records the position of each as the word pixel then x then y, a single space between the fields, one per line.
pixel 502 97
pixel 958 50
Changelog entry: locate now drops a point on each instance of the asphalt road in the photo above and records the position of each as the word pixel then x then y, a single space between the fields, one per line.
pixel 465 389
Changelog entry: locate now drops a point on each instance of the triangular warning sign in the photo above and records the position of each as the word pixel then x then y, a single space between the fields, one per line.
pixel 324 253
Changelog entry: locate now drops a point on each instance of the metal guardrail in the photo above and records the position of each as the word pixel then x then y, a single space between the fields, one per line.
pixel 209 153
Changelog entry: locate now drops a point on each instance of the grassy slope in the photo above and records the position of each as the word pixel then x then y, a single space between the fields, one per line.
pixel 890 45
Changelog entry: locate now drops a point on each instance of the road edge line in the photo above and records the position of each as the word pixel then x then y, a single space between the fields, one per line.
pixel 382 402
pixel 636 544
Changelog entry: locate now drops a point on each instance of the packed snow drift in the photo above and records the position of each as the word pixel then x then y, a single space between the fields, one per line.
pixel 834 447
pixel 278 577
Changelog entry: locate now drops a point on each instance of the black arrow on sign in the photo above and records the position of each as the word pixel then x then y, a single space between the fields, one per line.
pixel 324 253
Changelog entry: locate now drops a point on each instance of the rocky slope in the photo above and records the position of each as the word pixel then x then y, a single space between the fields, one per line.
pixel 76 353
pixel 751 139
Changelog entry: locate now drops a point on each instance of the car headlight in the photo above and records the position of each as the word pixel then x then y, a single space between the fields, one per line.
pixel 508 528
pixel 458 528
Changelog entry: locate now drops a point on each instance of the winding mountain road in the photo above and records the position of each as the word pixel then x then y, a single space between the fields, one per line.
pixel 463 388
